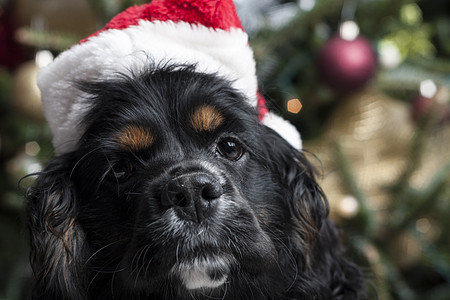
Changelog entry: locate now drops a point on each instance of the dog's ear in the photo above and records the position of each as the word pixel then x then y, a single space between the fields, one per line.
pixel 304 197
pixel 55 238
pixel 317 244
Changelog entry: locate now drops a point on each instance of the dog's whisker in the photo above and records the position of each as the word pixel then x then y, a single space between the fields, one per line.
pixel 135 263
pixel 139 159
pixel 225 289
pixel 192 295
pixel 103 248
pixel 147 267
pixel 144 266
pixel 177 257
pixel 290 257
pixel 81 159
pixel 111 168
pixel 98 272
pixel 117 270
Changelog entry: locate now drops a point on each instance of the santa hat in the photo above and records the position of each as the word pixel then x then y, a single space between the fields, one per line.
pixel 205 33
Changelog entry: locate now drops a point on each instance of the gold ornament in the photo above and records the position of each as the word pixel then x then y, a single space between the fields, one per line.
pixel 374 133
pixel 26 96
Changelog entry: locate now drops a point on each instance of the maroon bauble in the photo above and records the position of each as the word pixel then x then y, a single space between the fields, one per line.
pixel 11 53
pixel 347 65
pixel 421 107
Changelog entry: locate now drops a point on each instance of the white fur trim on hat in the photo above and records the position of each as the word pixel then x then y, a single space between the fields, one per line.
pixel 285 129
pixel 225 53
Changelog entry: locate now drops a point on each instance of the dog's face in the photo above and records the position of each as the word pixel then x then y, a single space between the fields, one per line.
pixel 176 191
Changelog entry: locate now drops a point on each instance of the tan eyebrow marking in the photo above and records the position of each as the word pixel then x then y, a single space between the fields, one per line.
pixel 134 138
pixel 206 118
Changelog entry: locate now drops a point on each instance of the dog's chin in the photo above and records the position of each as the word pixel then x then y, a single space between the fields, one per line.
pixel 201 260
pixel 207 272
pixel 202 270
pixel 200 256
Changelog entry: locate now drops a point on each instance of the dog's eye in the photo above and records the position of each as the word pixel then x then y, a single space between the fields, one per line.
pixel 121 171
pixel 229 149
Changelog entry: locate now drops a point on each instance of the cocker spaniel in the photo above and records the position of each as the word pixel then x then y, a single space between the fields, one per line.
pixel 177 191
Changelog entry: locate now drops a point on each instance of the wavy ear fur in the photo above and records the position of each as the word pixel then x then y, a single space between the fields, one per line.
pixel 316 245
pixel 55 237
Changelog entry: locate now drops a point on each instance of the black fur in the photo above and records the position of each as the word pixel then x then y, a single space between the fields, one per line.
pixel 102 222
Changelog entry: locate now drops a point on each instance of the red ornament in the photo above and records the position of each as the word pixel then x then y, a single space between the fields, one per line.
pixel 347 65
pixel 11 53
pixel 421 107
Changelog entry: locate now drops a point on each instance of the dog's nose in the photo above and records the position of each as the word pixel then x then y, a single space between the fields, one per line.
pixel 194 194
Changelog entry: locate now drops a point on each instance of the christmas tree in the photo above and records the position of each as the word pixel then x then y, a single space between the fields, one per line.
pixel 366 83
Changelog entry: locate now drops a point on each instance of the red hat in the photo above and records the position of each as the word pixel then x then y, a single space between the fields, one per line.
pixel 206 33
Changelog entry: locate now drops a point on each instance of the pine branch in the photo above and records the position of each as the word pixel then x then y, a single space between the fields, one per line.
pixel 408 76
pixel 364 216
pixel 416 148
pixel 407 204
pixel 265 44
pixel 425 201
pixel 57 41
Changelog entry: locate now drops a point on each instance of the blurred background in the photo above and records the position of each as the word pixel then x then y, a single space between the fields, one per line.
pixel 366 82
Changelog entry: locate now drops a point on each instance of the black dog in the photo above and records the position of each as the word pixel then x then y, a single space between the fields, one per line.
pixel 177 191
